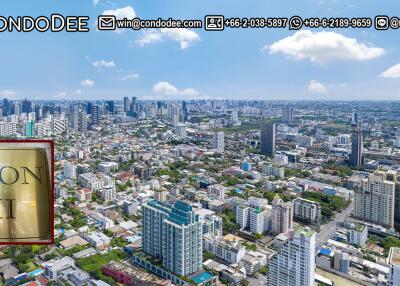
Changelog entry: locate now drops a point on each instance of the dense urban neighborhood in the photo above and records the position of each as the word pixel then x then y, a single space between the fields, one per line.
pixel 212 192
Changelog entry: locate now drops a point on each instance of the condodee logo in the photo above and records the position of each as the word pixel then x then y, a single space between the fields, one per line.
pixel 54 23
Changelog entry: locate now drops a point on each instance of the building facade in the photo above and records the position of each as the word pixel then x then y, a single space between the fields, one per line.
pixel 282 216
pixel 356 157
pixel 173 234
pixel 307 210
pixel 219 141
pixel 374 202
pixel 295 262
pixel 267 139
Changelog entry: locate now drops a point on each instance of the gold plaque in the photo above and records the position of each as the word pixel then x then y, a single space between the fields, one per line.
pixel 25 195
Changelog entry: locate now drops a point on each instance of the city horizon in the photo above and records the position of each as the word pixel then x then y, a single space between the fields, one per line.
pixel 199 143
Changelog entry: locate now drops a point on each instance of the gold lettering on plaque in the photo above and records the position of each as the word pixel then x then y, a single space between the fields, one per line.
pixel 25 195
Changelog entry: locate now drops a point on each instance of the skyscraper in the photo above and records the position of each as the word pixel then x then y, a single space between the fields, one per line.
pixel 153 215
pixel 173 234
pixel 234 116
pixel 375 201
pixel 133 107
pixel 288 113
pixel 74 117
pixel 397 203
pixel 29 129
pixel 96 114
pixel 126 104
pixel 182 244
pixel 83 122
pixel 110 106
pixel 38 112
pixel 295 262
pixel 6 107
pixel 185 111
pixel 26 106
pixel 89 108
pixel 174 114
pixel 267 138
pixel 356 158
pixel 282 215
pixel 354 119
pixel 17 108
pixel 219 141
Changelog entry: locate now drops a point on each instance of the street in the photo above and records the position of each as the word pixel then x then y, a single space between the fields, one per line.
pixel 329 229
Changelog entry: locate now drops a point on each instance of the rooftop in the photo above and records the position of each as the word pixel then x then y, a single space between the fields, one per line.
pixel 306 230
pixel 394 256
pixel 134 271
pixel 359 227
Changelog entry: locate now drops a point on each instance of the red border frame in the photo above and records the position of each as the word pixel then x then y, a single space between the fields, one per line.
pixel 51 241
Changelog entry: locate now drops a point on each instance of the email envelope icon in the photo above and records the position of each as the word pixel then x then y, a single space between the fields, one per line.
pixel 106 22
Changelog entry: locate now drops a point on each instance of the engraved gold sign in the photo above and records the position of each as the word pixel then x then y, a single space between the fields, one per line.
pixel 25 195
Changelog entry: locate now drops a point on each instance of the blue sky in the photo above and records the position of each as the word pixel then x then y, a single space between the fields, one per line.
pixel 234 64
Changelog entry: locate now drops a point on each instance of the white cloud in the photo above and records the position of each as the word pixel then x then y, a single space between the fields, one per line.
pixel 184 36
pixel 121 13
pixel 164 87
pixel 189 92
pixel 104 64
pixel 323 47
pixel 87 83
pixel 78 91
pixel 95 2
pixel 149 37
pixel 315 86
pixel 61 94
pixel 392 72
pixel 130 76
pixel 8 93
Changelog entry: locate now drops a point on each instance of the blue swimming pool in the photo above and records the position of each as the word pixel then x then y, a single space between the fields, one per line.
pixel 35 272
pixel 205 276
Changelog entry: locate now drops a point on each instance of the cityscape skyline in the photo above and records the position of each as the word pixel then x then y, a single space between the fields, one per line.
pixel 208 192
pixel 257 146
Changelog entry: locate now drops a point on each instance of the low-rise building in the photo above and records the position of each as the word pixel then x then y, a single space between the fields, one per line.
pixel 253 261
pixel 307 210
pixel 72 242
pixel 128 275
pixel 99 240
pixel 229 251
pixel 108 167
pixel 271 170
pixel 96 182
pixel 108 194
pixel 101 220
pixel 56 267
pixel 394 262
pixel 217 191
pixel 78 277
pixel 130 208
pixel 358 234
pixel 84 195
pixel 69 170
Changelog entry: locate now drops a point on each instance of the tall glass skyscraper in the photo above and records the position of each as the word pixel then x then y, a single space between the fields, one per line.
pixel 356 157
pixel 173 234
pixel 267 140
